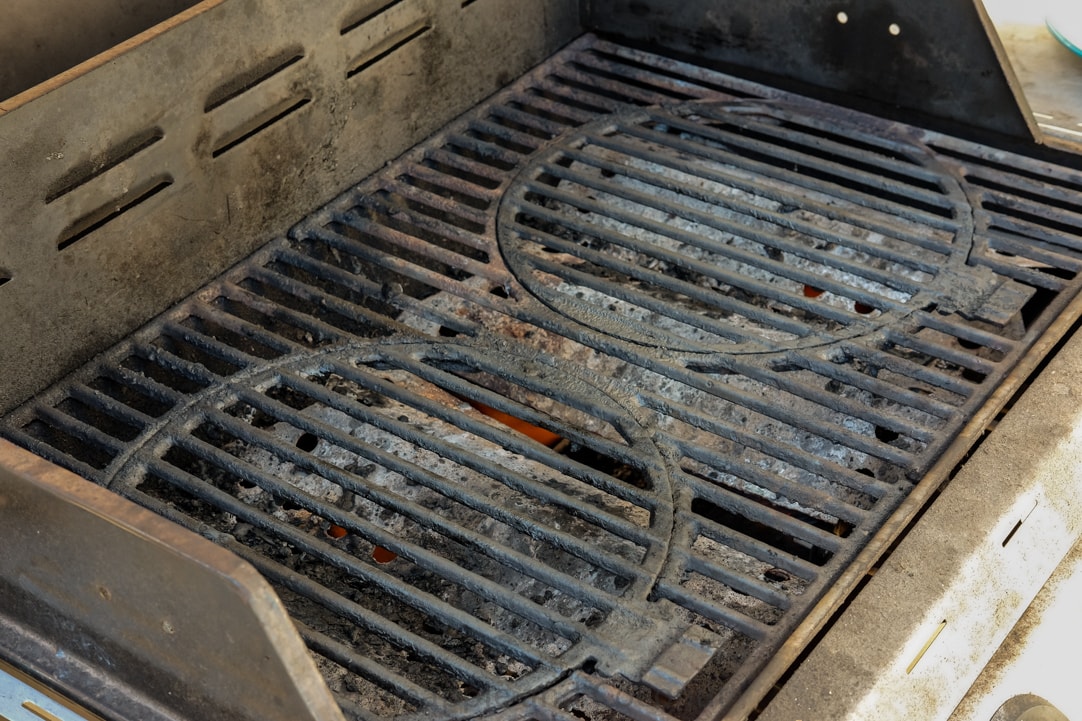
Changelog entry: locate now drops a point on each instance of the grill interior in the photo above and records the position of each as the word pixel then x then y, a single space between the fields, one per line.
pixel 626 364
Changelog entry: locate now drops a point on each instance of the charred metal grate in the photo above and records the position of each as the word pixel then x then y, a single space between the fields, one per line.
pixel 581 406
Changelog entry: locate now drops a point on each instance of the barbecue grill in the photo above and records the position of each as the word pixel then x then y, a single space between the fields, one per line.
pixel 631 339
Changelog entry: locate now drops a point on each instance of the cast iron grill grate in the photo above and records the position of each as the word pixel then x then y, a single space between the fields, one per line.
pixel 589 399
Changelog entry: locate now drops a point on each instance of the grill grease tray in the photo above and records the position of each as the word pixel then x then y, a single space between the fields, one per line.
pixel 589 399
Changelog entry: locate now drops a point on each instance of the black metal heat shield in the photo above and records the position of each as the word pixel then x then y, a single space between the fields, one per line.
pixel 939 61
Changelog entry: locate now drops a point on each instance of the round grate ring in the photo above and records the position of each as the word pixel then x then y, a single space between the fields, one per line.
pixel 462 527
pixel 737 227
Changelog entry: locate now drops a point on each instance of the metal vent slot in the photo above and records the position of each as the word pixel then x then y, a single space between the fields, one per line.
pixel 384 50
pixel 106 161
pixel 109 212
pixel 259 123
pixel 249 79
pixel 366 15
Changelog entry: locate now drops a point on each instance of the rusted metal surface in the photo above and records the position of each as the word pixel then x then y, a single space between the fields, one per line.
pixel 203 137
pixel 104 598
pixel 937 61
pixel 744 325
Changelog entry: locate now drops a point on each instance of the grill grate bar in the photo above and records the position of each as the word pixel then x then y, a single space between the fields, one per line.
pixel 679 86
pixel 1029 229
pixel 460 456
pixel 731 618
pixel 419 648
pixel 760 513
pixel 426 202
pixel 1012 269
pixel 861 150
pixel 696 240
pixel 499 157
pixel 79 430
pixel 806 495
pixel 774 239
pixel 402 592
pixel 110 406
pixel 628 294
pixel 856 379
pixel 825 399
pixel 515 140
pixel 749 546
pixel 314 332
pixel 895 213
pixel 53 452
pixel 1003 201
pixel 547 128
pixel 889 228
pixel 663 90
pixel 478 174
pixel 614 92
pixel 513 480
pixel 950 355
pixel 684 74
pixel 1054 255
pixel 965 332
pixel 877 358
pixel 315 298
pixel 404 267
pixel 577 95
pixel 533 451
pixel 211 346
pixel 830 431
pixel 272 571
pixel 143 383
pixel 932 209
pixel 188 370
pixel 370 214
pixel 424 517
pixel 656 279
pixel 534 101
pixel 458 189
pixel 412 243
pixel 740 583
pixel 359 285
pixel 212 313
pixel 368 669
pixel 435 482
pixel 792 455
pixel 718 273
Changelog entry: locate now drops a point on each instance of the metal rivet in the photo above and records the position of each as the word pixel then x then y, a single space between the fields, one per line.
pixel 895 29
pixel 843 17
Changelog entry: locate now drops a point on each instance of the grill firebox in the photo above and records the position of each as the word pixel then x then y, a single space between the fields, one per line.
pixel 584 404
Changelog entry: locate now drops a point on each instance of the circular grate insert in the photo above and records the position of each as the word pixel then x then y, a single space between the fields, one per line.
pixel 447 530
pixel 741 227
